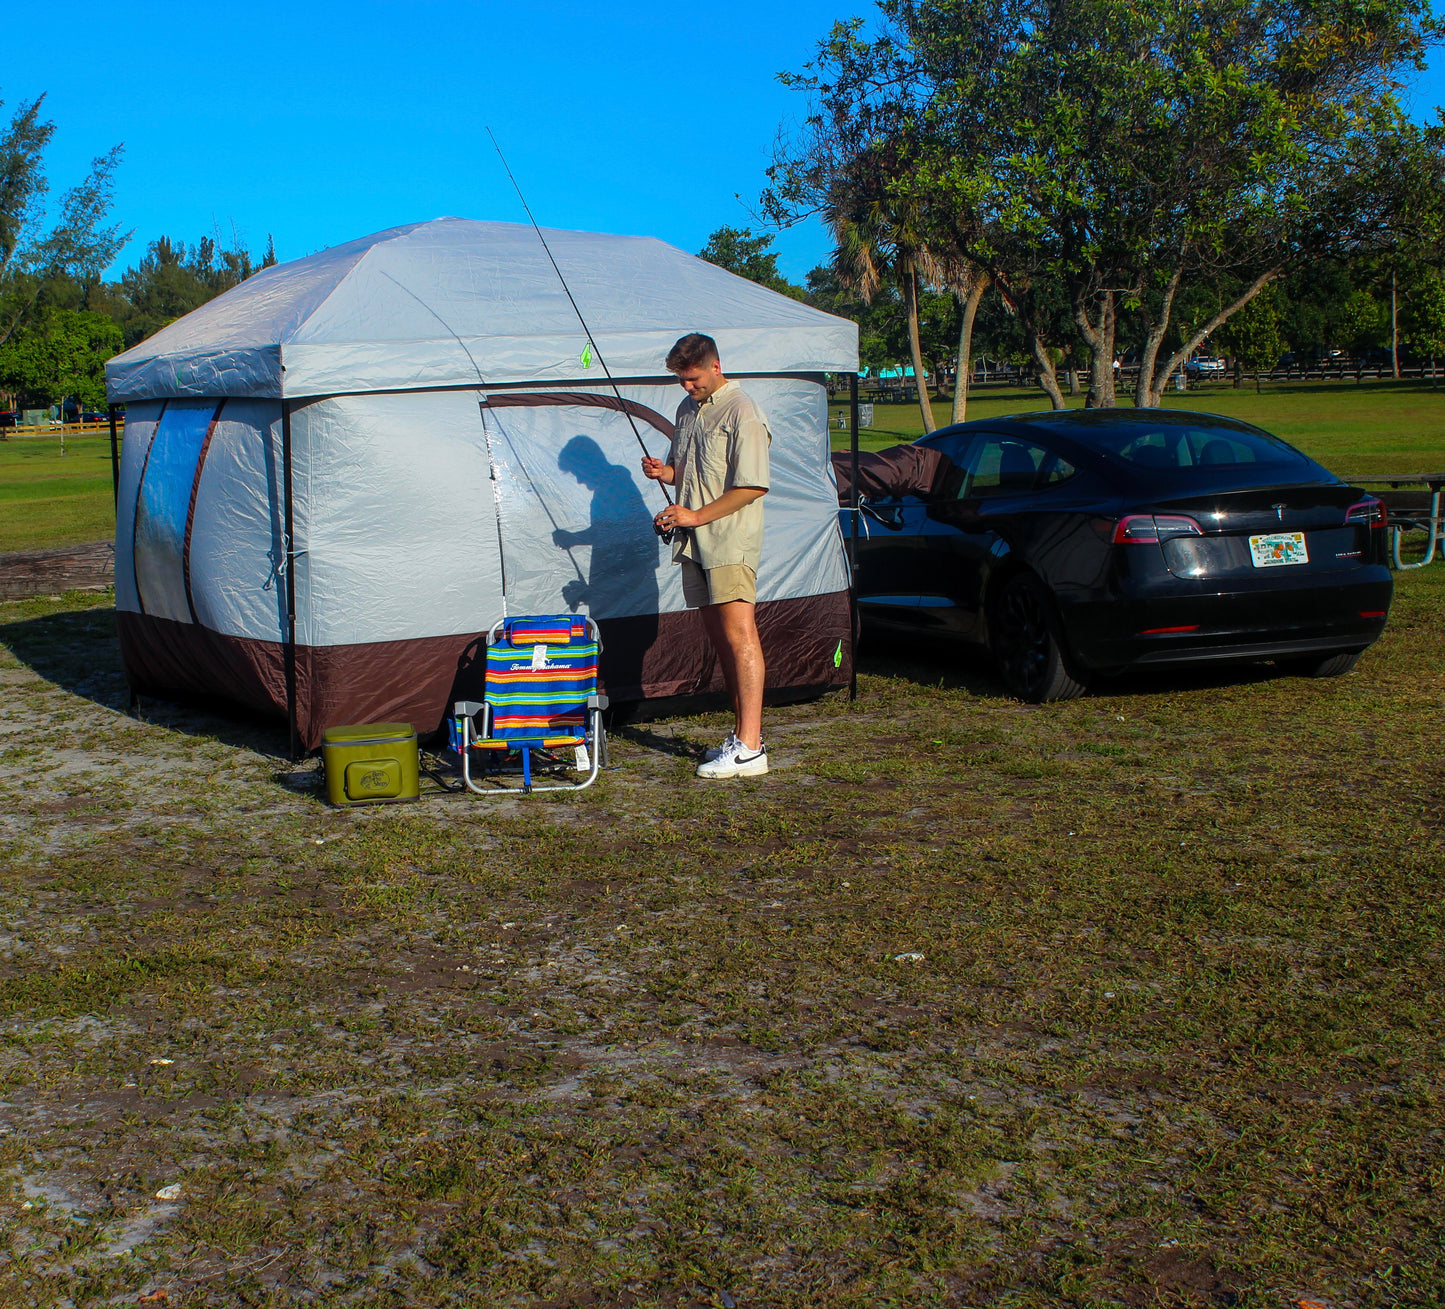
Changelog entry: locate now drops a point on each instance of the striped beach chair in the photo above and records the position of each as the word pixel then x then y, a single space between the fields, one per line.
pixel 541 700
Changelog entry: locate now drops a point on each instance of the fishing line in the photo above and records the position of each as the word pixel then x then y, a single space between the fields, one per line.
pixel 591 340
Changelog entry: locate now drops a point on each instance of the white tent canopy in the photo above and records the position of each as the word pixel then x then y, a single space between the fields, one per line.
pixel 454 302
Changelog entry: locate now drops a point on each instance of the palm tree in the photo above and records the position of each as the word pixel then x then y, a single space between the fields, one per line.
pixel 880 238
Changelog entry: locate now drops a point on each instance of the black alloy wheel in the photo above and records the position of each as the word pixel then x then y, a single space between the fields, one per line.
pixel 1028 643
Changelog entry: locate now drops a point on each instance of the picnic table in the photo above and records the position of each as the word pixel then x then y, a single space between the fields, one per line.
pixel 1410 510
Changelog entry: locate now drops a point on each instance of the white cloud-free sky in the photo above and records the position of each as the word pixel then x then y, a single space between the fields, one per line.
pixel 316 122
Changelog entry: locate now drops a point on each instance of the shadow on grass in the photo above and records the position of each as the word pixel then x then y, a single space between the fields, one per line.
pixel 76 649
pixel 937 662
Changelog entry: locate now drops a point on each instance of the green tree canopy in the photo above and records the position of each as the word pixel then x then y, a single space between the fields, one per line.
pixel 38 246
pixel 60 353
pixel 1117 155
pixel 173 278
pixel 739 251
pixel 1254 336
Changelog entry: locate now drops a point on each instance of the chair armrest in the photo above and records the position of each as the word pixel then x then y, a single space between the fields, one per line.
pixel 597 701
pixel 467 708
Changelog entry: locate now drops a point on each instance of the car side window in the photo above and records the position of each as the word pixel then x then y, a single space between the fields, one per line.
pixel 951 476
pixel 1007 465
pixel 1183 447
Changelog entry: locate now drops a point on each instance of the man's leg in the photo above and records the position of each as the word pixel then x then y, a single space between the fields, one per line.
pixel 732 627
pixel 712 624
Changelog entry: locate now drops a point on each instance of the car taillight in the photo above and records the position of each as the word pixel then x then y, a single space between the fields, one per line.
pixel 1368 511
pixel 1143 529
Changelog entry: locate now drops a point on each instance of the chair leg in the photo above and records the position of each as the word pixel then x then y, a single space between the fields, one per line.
pixel 526 768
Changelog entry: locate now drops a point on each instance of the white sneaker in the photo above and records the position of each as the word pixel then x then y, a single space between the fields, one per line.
pixel 718 751
pixel 737 762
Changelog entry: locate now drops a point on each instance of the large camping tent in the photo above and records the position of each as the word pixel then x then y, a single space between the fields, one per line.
pixel 339 474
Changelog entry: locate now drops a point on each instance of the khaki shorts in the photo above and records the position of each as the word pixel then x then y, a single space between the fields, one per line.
pixel 716 586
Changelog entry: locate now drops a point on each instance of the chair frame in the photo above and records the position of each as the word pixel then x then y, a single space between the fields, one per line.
pixel 466 738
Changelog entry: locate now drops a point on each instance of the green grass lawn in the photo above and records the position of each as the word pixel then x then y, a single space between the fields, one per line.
pixel 1350 427
pixel 47 499
pixel 1129 1000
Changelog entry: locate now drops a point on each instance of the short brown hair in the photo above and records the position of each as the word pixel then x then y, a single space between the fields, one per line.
pixel 692 351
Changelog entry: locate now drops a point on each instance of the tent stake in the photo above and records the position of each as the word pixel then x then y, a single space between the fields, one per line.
pixel 289 555
pixel 853 533
pixel 114 460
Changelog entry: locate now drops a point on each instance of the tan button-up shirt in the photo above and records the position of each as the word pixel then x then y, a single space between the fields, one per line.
pixel 721 444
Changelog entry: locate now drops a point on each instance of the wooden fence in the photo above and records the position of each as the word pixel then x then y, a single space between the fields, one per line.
pixel 62 430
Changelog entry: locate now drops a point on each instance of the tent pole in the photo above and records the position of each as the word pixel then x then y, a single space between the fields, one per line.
pixel 289 555
pixel 853 530
pixel 114 459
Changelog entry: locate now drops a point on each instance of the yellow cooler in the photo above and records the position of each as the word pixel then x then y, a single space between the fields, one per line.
pixel 371 763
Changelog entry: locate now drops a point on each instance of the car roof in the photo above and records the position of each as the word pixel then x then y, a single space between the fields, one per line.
pixel 1079 422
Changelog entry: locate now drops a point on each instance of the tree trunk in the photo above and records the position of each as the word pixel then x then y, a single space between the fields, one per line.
pixel 910 293
pixel 1394 331
pixel 963 368
pixel 1044 365
pixel 1151 387
pixel 1146 394
pixel 1098 334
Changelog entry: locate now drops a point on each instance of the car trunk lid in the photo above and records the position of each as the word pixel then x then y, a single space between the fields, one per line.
pixel 1252 533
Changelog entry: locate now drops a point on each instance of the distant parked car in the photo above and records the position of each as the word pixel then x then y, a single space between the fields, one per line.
pixel 9 418
pixel 1092 541
pixel 1205 366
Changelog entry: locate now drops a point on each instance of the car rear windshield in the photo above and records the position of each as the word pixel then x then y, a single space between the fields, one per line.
pixel 1178 445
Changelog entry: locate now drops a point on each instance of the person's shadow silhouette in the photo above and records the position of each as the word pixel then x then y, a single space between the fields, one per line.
pixel 621 579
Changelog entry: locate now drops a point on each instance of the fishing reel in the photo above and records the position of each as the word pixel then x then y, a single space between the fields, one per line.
pixel 671 534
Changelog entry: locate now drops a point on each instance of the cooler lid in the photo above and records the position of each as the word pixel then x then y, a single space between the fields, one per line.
pixel 367 733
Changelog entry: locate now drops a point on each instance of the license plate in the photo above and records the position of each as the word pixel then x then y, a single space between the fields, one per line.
pixel 1275 548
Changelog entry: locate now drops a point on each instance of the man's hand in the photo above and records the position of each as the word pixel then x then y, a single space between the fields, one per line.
pixel 678 516
pixel 657 470
pixel 729 502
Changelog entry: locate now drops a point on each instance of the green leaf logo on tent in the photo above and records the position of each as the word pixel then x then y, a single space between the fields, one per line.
pixel 587 355
pixel 838 656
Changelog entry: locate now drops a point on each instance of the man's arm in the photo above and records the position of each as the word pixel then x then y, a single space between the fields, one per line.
pixel 729 502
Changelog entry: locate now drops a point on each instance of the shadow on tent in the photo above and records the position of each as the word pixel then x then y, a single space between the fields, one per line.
pixel 620 574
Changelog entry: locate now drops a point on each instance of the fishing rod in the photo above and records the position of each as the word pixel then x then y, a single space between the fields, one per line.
pixel 667 534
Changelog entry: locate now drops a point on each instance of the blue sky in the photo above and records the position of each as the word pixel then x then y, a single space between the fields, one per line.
pixel 320 122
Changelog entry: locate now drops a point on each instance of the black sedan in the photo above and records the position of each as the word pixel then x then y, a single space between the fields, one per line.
pixel 1089 542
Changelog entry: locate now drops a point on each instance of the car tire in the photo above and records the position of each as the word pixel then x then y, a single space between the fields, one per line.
pixel 1028 643
pixel 1335 665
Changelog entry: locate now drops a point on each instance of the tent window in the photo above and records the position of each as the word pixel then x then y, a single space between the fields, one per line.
pixel 164 505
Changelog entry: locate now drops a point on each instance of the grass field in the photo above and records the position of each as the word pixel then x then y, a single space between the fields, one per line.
pixel 1350 427
pixel 1130 1000
pixel 47 499
pixel 1364 428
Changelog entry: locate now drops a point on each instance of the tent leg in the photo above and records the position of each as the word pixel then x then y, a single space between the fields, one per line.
pixel 853 535
pixel 289 555
pixel 114 459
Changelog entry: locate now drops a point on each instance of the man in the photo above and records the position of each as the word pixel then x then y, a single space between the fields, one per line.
pixel 718 466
